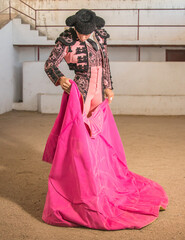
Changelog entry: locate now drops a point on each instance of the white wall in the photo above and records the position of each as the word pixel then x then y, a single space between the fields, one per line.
pixel 14 89
pixel 8 83
pixel 149 88
pixel 14 57
pixel 114 17
pixel 35 81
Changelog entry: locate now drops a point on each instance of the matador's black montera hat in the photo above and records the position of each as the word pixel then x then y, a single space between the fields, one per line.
pixel 85 21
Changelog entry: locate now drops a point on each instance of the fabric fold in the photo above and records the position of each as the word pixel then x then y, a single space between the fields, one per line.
pixel 89 183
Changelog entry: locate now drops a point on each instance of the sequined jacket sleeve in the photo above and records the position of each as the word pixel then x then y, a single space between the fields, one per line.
pixel 108 77
pixel 52 63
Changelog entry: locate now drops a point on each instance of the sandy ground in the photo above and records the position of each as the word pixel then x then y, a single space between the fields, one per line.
pixel 154 147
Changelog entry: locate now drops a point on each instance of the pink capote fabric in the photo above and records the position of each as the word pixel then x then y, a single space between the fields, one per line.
pixel 89 183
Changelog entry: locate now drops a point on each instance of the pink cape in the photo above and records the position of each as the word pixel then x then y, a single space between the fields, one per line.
pixel 89 183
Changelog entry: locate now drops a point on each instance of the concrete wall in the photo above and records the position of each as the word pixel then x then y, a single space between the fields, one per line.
pixel 36 81
pixel 8 80
pixel 11 77
pixel 116 54
pixel 18 56
pixel 149 88
pixel 113 17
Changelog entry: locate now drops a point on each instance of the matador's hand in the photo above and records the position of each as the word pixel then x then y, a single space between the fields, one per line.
pixel 109 93
pixel 65 84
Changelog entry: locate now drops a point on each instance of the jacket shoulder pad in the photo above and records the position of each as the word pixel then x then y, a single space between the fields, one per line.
pixel 103 33
pixel 67 37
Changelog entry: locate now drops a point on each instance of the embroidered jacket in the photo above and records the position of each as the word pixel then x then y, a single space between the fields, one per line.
pixel 76 54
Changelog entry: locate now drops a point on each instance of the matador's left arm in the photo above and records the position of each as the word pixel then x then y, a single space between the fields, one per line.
pixel 107 76
pixel 107 81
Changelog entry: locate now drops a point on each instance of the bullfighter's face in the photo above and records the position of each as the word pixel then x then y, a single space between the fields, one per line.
pixel 82 37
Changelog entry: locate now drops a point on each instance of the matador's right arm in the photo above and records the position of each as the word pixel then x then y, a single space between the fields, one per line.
pixel 52 63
